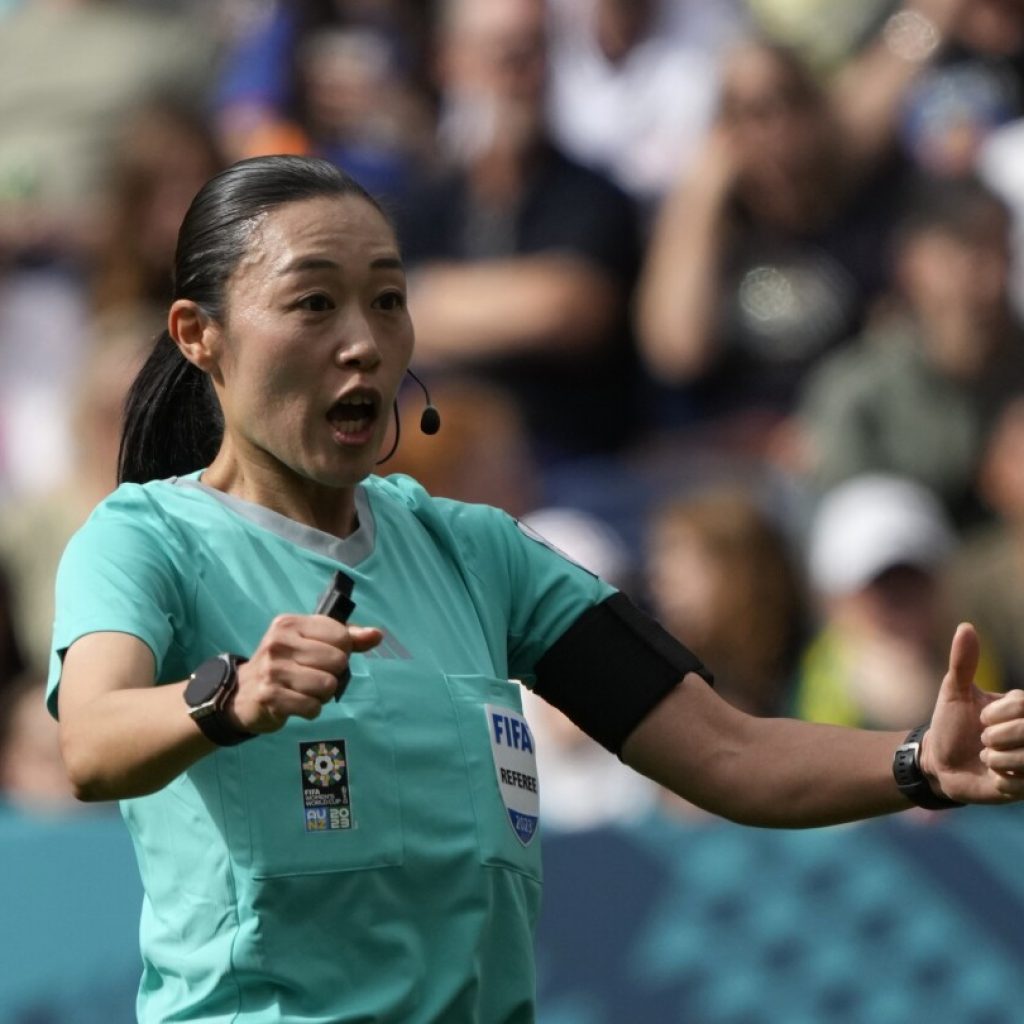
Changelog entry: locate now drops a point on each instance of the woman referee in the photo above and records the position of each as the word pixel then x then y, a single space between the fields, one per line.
pixel 375 858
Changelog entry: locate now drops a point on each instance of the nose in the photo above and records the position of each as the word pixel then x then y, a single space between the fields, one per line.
pixel 357 346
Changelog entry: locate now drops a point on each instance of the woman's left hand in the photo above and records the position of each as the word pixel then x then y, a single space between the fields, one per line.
pixel 974 750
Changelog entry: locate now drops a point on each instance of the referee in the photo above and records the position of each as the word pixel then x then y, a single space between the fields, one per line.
pixel 375 858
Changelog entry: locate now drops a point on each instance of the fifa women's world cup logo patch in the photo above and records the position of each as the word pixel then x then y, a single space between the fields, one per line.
pixel 325 793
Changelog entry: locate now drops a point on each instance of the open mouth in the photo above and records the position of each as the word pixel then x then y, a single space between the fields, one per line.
pixel 352 418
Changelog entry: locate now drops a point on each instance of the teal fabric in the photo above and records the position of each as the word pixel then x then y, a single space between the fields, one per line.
pixel 423 909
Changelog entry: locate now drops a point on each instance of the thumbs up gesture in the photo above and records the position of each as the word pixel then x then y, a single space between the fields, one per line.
pixel 974 750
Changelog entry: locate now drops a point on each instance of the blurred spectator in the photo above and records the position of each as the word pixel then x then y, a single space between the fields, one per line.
pixel 998 164
pixel 481 452
pixel 988 571
pixel 32 775
pixel 766 255
pixel 163 154
pixel 974 84
pixel 71 70
pixel 633 83
pixel 521 259
pixel 940 74
pixel 722 579
pixel 917 394
pixel 592 542
pixel 38 379
pixel 878 548
pixel 888 67
pixel 34 529
pixel 824 33
pixel 338 78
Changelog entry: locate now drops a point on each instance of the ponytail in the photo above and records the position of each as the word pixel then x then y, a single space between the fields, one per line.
pixel 172 421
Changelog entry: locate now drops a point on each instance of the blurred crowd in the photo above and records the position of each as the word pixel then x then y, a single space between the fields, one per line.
pixel 722 297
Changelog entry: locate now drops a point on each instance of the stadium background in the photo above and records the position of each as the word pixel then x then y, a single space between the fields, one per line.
pixel 652 913
pixel 661 922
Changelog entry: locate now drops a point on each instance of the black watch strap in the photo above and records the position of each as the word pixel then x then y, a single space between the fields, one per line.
pixel 214 723
pixel 217 728
pixel 906 769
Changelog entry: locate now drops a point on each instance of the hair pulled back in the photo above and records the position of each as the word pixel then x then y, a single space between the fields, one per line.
pixel 172 422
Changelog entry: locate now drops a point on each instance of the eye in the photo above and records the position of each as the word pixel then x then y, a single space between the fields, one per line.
pixel 318 302
pixel 391 302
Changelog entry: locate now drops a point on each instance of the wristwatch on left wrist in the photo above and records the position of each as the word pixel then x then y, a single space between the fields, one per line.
pixel 911 780
pixel 207 694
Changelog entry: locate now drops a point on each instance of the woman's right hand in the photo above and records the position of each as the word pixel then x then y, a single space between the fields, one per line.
pixel 295 670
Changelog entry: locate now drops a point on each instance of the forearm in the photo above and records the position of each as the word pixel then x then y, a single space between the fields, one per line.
pixel 870 90
pixel 471 311
pixel 778 773
pixel 130 742
pixel 677 296
pixel 794 774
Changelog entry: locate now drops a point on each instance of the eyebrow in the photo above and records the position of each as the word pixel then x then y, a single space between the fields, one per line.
pixel 322 263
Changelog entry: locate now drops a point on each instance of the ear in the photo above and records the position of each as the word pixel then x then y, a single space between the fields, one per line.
pixel 195 333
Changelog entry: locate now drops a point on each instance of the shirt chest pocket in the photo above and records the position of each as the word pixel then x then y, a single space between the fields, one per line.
pixel 500 757
pixel 322 796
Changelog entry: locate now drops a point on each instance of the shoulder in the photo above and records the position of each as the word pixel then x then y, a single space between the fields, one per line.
pixel 140 507
pixel 132 518
pixel 867 363
pixel 136 499
pixel 406 495
pixel 487 541
pixel 129 504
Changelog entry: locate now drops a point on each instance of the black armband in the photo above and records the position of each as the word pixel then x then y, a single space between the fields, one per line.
pixel 611 667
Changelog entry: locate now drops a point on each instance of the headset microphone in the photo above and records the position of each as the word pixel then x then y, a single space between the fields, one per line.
pixel 430 419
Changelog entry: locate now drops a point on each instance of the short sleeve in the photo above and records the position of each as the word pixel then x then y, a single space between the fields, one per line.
pixel 118 575
pixel 541 591
pixel 557 591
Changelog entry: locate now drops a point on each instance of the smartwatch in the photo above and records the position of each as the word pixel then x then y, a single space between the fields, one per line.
pixel 207 693
pixel 912 783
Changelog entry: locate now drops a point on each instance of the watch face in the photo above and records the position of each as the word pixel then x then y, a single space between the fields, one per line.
pixel 207 679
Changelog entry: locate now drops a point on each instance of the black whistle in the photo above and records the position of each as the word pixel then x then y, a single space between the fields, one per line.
pixel 336 603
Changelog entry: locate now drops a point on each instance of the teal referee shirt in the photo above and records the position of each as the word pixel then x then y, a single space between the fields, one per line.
pixel 381 864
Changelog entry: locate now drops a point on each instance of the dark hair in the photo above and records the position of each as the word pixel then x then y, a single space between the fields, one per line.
pixel 11 696
pixel 172 422
pixel 960 207
pixel 12 661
